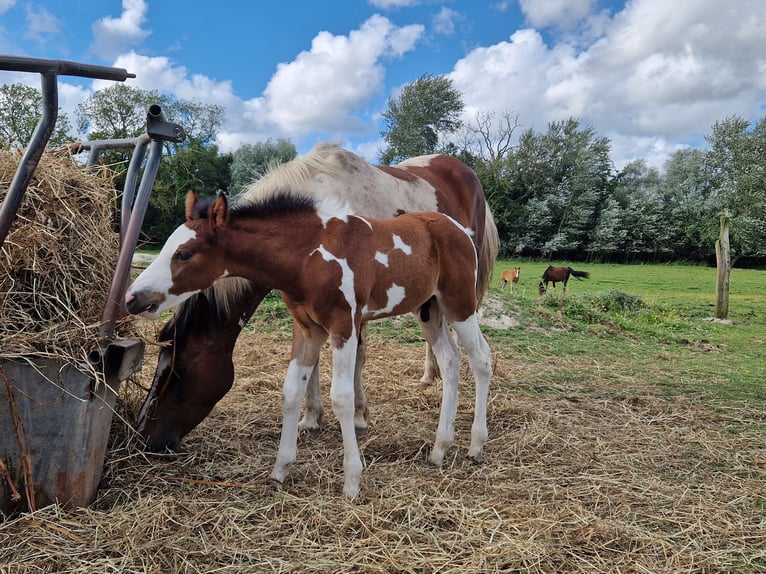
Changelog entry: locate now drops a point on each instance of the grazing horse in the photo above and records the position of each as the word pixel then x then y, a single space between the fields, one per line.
pixel 195 368
pixel 510 276
pixel 336 271
pixel 559 274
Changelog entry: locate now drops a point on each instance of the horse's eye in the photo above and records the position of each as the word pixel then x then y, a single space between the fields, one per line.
pixel 183 256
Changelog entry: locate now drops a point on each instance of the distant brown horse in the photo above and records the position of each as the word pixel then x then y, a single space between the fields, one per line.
pixel 560 275
pixel 336 271
pixel 510 276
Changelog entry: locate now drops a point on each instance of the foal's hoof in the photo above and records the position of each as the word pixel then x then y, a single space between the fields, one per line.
pixel 360 432
pixel 476 458
pixel 275 484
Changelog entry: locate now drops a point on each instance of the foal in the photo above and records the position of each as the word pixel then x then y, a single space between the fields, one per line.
pixel 336 271
pixel 510 276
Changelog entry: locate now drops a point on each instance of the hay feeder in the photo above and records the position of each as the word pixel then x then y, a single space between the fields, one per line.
pixel 65 346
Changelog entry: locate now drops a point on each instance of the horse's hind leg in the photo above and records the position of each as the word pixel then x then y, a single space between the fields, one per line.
pixel 447 356
pixel 480 361
pixel 313 417
pixel 361 414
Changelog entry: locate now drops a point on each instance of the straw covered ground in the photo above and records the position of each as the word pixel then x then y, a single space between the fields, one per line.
pixel 582 479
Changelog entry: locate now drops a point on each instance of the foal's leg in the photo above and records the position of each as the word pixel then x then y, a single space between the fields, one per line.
pixel 448 357
pixel 305 353
pixel 313 417
pixel 480 361
pixel 430 367
pixel 342 395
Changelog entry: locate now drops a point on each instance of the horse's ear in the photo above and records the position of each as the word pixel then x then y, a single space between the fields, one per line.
pixel 219 212
pixel 191 200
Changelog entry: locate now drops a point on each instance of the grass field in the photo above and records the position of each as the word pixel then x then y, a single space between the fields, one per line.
pixel 627 434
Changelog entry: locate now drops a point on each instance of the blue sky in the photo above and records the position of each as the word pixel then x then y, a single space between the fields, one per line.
pixel 651 75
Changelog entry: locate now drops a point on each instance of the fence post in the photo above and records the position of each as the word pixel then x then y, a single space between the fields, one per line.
pixel 723 265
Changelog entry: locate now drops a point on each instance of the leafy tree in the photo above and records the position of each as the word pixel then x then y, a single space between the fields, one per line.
pixel 249 162
pixel 738 171
pixel 425 111
pixel 21 108
pixel 565 173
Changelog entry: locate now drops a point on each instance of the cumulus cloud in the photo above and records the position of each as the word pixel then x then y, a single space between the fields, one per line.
pixel 322 87
pixel 113 36
pixel 40 24
pixel 560 13
pixel 6 5
pixel 445 21
pixel 656 74
pixel 386 4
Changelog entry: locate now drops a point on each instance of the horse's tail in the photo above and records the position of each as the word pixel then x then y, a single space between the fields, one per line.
pixel 578 274
pixel 490 245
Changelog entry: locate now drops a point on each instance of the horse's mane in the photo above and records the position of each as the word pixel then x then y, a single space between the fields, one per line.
pixel 296 174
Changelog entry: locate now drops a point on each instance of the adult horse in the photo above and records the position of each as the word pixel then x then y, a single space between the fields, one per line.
pixel 336 271
pixel 195 368
pixel 560 275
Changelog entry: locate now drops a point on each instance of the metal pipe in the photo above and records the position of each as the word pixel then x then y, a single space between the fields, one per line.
pixel 115 303
pixel 62 68
pixel 31 157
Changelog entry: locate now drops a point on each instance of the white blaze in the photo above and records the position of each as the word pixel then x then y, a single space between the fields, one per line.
pixel 157 277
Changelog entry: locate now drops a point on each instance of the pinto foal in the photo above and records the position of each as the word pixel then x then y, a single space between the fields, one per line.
pixel 336 271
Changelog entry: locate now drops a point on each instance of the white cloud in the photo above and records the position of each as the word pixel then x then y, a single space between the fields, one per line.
pixel 321 90
pixel 322 87
pixel 112 36
pixel 387 4
pixel 6 5
pixel 563 14
pixel 445 21
pixel 40 24
pixel 657 73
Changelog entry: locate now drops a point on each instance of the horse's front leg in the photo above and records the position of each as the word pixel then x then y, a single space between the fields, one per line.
pixel 342 396
pixel 313 417
pixel 304 356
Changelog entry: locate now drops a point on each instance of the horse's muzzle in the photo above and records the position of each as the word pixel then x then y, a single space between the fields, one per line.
pixel 144 303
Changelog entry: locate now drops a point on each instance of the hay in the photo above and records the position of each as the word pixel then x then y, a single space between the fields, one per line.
pixel 57 262
pixel 576 480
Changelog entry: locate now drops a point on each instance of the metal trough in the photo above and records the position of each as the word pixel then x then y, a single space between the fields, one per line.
pixel 55 416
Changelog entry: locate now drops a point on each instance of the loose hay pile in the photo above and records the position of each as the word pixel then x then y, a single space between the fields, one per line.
pixel 575 481
pixel 57 262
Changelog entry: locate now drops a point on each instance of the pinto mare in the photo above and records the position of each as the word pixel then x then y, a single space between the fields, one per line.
pixel 336 271
pixel 510 276
pixel 195 368
pixel 559 275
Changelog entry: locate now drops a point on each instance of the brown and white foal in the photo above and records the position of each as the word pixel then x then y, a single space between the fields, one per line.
pixel 335 271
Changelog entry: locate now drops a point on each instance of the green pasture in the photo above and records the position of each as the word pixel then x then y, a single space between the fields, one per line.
pixel 628 330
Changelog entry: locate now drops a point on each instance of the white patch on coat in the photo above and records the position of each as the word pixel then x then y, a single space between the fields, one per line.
pixel 331 208
pixel 346 279
pixel 395 295
pixel 400 244
pixel 381 258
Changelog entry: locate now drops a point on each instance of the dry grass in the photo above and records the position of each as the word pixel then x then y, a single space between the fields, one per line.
pixel 574 482
pixel 57 261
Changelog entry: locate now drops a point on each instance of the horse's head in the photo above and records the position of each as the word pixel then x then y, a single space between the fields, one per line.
pixel 541 288
pixel 187 263
pixel 194 370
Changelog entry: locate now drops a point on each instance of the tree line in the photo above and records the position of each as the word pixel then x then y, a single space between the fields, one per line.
pixel 554 193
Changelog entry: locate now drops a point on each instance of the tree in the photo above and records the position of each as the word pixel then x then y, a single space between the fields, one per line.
pixel 249 162
pixel 119 111
pixel 738 171
pixel 21 108
pixel 426 111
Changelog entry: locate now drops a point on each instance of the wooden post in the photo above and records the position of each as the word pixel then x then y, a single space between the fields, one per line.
pixel 723 264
